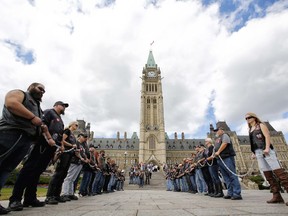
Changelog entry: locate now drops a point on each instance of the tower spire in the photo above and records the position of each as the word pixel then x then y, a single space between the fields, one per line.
pixel 151 62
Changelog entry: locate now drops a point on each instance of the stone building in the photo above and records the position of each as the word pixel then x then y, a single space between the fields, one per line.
pixel 155 146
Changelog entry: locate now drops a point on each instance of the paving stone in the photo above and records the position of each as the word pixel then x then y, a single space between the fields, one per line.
pixel 160 202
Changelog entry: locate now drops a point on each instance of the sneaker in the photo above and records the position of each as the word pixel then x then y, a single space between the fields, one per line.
pixel 15 206
pixel 72 197
pixel 51 201
pixel 4 210
pixel 35 203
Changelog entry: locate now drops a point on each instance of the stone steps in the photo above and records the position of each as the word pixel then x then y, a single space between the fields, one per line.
pixel 157 182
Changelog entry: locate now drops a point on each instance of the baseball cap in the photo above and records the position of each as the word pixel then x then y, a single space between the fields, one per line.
pixel 61 103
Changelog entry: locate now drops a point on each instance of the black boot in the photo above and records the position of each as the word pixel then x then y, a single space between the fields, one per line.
pixel 219 190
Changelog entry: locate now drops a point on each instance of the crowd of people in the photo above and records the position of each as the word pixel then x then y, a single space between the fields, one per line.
pixel 213 167
pixel 201 172
pixel 39 138
pixel 140 174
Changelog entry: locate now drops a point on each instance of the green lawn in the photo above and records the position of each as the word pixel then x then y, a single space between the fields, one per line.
pixel 6 192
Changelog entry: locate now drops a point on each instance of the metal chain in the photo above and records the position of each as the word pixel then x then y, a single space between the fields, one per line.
pixel 250 169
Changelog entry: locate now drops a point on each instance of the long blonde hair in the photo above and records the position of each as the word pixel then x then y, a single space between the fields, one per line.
pixel 257 119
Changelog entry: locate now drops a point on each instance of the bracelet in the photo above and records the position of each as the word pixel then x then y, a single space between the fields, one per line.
pixel 32 118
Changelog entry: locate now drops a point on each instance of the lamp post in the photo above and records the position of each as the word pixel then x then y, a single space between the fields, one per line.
pixel 125 154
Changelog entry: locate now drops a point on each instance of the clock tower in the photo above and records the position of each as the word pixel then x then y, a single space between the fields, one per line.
pixel 152 146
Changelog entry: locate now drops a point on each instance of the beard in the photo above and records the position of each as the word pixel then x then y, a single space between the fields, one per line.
pixel 36 94
pixel 62 112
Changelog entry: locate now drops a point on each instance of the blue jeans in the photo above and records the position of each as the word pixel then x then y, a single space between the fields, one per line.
pixel 85 182
pixel 201 185
pixel 98 183
pixel 184 185
pixel 169 185
pixel 213 170
pixel 193 183
pixel 232 181
pixel 14 145
pixel 111 183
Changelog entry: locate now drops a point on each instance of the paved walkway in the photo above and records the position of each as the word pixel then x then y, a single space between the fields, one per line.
pixel 158 203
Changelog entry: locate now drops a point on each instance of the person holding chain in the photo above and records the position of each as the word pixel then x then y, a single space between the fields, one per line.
pixel 213 168
pixel 263 150
pixel 20 127
pixel 225 155
pixel 63 163
pixel 38 160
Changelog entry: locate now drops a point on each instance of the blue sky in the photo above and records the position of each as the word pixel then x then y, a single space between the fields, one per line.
pixel 219 59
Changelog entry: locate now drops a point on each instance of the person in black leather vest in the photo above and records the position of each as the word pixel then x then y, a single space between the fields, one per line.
pixel 37 160
pixel 20 126
pixel 263 150
pixel 225 155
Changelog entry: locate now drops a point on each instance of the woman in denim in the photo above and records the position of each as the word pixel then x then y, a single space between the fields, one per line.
pixel 263 150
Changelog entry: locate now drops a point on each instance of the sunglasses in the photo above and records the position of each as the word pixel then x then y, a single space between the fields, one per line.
pixel 249 117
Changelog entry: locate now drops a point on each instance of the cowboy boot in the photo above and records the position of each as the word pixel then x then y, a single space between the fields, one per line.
pixel 283 177
pixel 274 186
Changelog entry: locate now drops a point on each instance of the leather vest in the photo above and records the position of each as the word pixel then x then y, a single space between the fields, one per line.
pixel 11 121
pixel 257 139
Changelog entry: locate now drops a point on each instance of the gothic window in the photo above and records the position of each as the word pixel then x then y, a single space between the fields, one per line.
pixel 119 147
pixel 169 147
pixel 107 146
pixel 146 87
pixel 156 88
pixel 148 100
pixel 127 146
pixel 151 142
pixel 132 147
pixel 111 146
pixel 173 147
pixel 154 100
pixel 190 147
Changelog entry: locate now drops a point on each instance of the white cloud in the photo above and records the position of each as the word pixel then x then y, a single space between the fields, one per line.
pixel 92 58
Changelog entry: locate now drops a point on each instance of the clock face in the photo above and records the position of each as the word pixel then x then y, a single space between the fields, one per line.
pixel 151 74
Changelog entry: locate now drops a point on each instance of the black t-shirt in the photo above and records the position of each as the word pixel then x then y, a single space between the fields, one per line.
pixel 70 138
pixel 54 123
